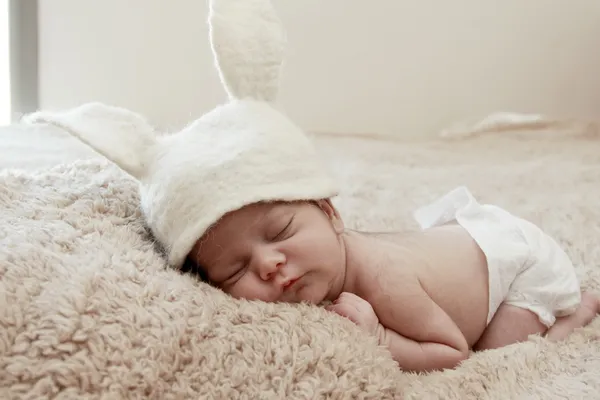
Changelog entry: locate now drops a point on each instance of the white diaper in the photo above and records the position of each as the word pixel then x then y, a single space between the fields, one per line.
pixel 527 268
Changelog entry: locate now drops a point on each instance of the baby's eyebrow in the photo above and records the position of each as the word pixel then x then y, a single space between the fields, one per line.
pixel 273 215
pixel 262 221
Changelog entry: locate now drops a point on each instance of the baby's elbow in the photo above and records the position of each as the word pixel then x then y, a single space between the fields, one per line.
pixel 461 355
pixel 454 355
pixel 438 364
pixel 452 359
pixel 448 358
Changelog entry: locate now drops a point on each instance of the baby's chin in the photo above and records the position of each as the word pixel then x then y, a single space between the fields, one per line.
pixel 308 293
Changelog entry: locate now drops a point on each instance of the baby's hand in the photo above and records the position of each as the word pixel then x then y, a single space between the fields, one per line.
pixel 356 310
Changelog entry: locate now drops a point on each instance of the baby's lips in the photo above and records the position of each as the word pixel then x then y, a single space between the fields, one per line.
pixel 289 283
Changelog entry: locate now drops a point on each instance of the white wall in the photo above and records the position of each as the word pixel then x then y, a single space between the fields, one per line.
pixel 5 106
pixel 398 66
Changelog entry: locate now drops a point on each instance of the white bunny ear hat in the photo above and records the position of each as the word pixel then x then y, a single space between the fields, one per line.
pixel 240 153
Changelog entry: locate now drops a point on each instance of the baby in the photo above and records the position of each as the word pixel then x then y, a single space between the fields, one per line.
pixel 242 196
pixel 476 277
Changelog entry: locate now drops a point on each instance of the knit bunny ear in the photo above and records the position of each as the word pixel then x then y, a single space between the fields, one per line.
pixel 248 42
pixel 120 135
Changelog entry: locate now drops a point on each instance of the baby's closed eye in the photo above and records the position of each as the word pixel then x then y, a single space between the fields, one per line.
pixel 238 272
pixel 284 231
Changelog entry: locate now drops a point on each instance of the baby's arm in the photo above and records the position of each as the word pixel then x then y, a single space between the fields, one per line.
pixel 419 334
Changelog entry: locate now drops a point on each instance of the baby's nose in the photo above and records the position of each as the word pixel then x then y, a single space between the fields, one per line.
pixel 270 266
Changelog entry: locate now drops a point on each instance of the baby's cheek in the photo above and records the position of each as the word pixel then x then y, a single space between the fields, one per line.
pixel 251 290
pixel 313 294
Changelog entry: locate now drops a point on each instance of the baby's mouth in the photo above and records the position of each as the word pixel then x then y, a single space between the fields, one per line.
pixel 289 284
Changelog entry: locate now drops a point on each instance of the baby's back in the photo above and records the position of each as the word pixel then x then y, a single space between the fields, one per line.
pixel 452 270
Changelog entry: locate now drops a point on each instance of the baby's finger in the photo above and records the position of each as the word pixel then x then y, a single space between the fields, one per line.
pixel 356 302
pixel 342 309
pixel 348 296
pixel 332 307
pixel 354 299
pixel 337 308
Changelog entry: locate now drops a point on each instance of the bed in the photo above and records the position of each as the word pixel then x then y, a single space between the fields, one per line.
pixel 90 309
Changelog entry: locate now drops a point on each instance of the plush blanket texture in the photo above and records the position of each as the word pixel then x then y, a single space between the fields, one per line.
pixel 89 310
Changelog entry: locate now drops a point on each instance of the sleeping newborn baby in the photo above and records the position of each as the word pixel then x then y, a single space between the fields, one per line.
pixel 475 276
pixel 242 196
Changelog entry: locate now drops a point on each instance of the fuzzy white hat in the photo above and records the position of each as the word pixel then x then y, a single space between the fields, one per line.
pixel 240 153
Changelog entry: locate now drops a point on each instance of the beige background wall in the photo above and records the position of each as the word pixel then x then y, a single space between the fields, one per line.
pixel 398 66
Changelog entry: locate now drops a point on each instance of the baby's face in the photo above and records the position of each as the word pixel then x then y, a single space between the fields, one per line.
pixel 288 252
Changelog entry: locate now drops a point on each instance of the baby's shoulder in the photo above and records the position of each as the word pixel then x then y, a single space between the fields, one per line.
pixel 397 262
pixel 422 253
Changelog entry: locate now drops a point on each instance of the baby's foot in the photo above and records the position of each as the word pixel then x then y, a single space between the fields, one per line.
pixel 585 313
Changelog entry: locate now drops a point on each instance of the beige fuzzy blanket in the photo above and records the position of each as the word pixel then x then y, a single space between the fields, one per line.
pixel 89 310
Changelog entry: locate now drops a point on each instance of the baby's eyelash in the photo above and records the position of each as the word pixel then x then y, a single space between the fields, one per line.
pixel 284 229
pixel 238 271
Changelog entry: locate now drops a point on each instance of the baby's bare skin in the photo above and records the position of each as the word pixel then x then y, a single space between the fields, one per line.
pixel 453 276
pixel 423 294
pixel 429 292
pixel 432 305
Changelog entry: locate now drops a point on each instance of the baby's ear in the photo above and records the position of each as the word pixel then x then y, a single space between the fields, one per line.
pixel 334 216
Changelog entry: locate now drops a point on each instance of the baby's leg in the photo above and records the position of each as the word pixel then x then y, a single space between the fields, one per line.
pixel 509 325
pixel 513 324
pixel 585 313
